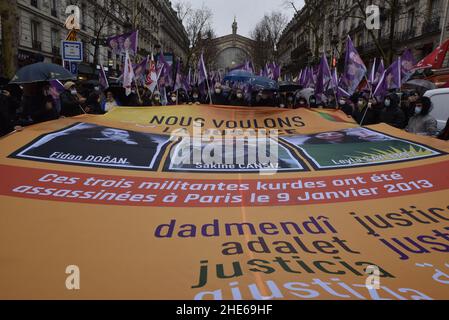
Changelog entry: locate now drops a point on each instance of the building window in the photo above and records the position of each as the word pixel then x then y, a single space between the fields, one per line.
pixel 55 40
pixel 35 35
pixel 411 19
pixel 82 16
pixel 34 3
pixel 54 8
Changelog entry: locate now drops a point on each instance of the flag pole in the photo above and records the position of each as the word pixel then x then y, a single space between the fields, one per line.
pixel 368 105
pixel 443 29
pixel 208 90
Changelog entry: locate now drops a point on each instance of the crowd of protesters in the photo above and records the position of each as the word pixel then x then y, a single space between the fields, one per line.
pixel 35 103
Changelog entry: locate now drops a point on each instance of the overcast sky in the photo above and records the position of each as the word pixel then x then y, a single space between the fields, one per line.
pixel 248 13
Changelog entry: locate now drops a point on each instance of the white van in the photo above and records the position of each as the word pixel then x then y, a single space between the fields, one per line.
pixel 440 100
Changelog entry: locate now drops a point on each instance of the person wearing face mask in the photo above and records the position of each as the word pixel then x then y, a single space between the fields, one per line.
pixel 173 100
pixel 409 106
pixel 301 102
pixel 218 96
pixel 263 99
pixel 288 101
pixel 366 112
pixel 237 99
pixel 195 97
pixel 70 101
pixel 156 100
pixel 313 102
pixel 345 107
pixel 422 123
pixel 94 101
pixel 392 114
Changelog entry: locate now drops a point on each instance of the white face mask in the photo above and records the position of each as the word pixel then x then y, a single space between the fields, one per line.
pixel 173 99
pixel 361 103
pixel 156 98
pixel 418 110
pixel 73 92
pixel 342 101
pixel 217 91
pixel 387 103
pixel 239 95
pixel 195 96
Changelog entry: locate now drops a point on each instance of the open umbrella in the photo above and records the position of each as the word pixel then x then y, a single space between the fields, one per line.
pixel 39 72
pixel 238 76
pixel 263 83
pixel 288 86
pixel 420 84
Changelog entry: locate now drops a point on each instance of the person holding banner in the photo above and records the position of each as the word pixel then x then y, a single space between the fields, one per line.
pixel 392 113
pixel 70 101
pixel 422 123
pixel 109 102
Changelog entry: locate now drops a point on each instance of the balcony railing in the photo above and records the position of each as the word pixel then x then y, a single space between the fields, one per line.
pixel 301 50
pixel 432 25
pixel 37 45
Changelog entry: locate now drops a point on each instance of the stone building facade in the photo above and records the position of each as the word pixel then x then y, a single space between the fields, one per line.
pixel 41 29
pixel 418 26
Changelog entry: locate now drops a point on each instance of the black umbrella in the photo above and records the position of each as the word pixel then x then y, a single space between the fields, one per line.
pixel 288 86
pixel 39 72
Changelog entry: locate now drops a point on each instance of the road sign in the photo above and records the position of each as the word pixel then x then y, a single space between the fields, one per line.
pixel 71 36
pixel 72 67
pixel 72 51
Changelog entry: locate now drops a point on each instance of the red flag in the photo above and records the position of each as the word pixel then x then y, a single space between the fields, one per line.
pixel 435 59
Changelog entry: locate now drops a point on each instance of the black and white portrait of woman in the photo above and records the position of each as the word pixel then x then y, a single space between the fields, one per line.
pixel 90 144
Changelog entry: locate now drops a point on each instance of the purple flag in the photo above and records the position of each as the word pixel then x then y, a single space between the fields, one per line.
pixel 354 71
pixel 202 72
pixel 140 69
pixel 379 73
pixel 179 79
pixel 393 75
pixel 381 89
pixel 123 43
pixel 324 77
pixel 167 70
pixel 308 81
pixel 103 79
pixel 408 61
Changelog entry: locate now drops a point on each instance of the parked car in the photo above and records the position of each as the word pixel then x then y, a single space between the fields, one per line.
pixel 440 100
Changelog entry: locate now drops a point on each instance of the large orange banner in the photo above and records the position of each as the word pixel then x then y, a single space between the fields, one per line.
pixel 343 212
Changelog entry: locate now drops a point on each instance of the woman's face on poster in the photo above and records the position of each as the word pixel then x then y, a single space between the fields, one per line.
pixel 330 136
pixel 115 134
pixel 127 44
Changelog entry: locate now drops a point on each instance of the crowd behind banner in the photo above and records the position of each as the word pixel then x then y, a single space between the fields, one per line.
pixel 370 97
